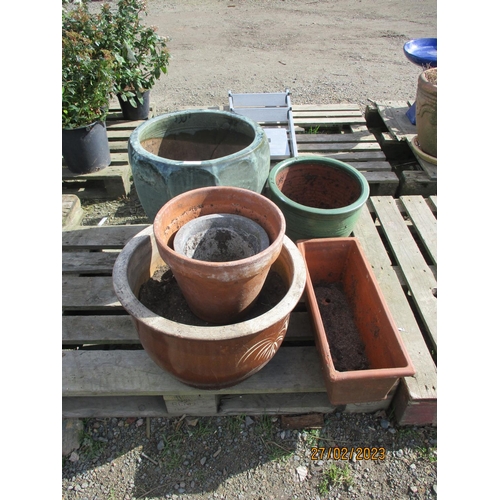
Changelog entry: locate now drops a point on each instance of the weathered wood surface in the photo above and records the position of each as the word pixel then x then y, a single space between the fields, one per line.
pixel 96 380
pixel 416 398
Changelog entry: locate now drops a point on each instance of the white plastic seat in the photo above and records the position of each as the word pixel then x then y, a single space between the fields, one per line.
pixel 273 111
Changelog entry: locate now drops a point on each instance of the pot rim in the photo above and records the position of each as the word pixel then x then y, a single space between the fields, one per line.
pixel 135 308
pixel 135 140
pixel 211 267
pixel 329 162
pixel 88 126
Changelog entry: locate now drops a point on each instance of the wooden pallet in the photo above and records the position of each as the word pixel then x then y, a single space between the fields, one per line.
pixel 105 372
pixel 114 181
pixel 396 137
pixel 339 131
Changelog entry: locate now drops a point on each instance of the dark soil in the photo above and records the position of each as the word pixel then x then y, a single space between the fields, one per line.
pixel 162 295
pixel 346 347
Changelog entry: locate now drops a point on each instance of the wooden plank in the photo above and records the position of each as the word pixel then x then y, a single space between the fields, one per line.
pixel 279 404
pixel 325 107
pixel 337 147
pixel 327 121
pixel 417 182
pixel 133 373
pixel 363 136
pixel 199 404
pixel 381 183
pixel 97 238
pixel 394 116
pixel 308 113
pixel 113 170
pixel 111 406
pixel 424 222
pixel 88 293
pixel 119 329
pixel 361 156
pixel 304 421
pixel 422 387
pixel 78 330
pixel 88 262
pixel 419 277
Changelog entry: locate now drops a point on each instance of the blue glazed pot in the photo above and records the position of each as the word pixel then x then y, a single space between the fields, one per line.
pixel 176 152
pixel 320 197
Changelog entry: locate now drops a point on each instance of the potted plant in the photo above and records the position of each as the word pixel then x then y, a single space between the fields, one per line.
pixel 141 56
pixel 87 82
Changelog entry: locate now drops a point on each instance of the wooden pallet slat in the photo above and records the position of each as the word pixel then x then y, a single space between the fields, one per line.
pixel 420 391
pixel 134 373
pixel 424 222
pixel 419 277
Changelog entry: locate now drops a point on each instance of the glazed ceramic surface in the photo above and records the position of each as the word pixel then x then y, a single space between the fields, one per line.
pixel 176 152
pixel 319 196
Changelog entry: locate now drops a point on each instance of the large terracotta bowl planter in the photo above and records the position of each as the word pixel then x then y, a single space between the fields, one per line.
pixel 342 261
pixel 176 152
pixel 320 197
pixel 219 292
pixel 210 357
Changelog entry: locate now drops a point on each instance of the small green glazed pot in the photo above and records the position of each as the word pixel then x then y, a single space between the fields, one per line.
pixel 320 197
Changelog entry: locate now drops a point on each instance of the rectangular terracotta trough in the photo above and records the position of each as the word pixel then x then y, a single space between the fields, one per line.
pixel 341 260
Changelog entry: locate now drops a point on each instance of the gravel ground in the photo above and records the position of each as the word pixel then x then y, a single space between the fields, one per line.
pixel 254 458
pixel 343 51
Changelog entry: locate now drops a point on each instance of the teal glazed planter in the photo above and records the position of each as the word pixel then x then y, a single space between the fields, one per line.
pixel 320 197
pixel 176 152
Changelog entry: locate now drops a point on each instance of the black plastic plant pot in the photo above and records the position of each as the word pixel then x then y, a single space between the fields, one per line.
pixel 86 149
pixel 140 112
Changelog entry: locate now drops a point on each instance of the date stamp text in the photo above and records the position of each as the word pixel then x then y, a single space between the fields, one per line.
pixel 345 453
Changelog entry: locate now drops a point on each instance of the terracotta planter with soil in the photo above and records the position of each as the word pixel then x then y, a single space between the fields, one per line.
pixel 219 292
pixel 201 355
pixel 320 197
pixel 361 350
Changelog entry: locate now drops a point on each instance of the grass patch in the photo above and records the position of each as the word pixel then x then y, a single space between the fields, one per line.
pixel 427 453
pixel 264 427
pixel 90 448
pixel 335 476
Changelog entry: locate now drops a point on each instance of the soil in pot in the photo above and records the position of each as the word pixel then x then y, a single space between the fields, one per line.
pixel 162 295
pixel 319 187
pixel 346 347
pixel 201 145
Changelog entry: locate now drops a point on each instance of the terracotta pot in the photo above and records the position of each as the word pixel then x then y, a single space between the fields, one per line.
pixel 320 197
pixel 219 292
pixel 341 260
pixel 176 152
pixel 209 357
pixel 426 114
